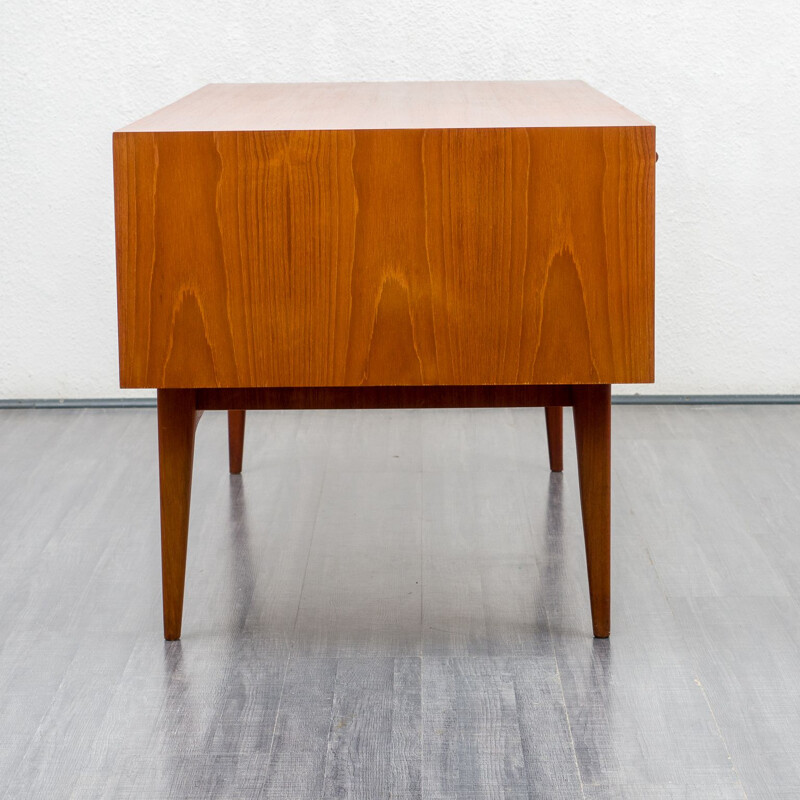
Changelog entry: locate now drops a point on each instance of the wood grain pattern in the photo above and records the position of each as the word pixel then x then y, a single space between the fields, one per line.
pixel 374 743
pixel 472 735
pixel 592 413
pixel 177 421
pixel 380 246
pixel 300 741
pixel 554 419
pixel 505 255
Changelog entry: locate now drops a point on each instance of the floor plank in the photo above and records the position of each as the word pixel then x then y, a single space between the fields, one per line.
pixel 747 652
pixel 362 592
pixel 473 746
pixel 374 736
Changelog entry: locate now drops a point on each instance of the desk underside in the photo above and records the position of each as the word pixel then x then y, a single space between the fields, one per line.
pixel 383 258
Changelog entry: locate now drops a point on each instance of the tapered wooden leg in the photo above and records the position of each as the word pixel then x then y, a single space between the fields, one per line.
pixel 554 417
pixel 235 439
pixel 592 412
pixel 177 420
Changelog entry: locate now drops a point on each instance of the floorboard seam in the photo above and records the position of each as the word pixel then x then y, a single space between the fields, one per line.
pixel 721 736
pixel 422 628
pixel 692 661
pixel 308 558
pixel 277 713
pixel 17 768
pixel 702 688
pixel 330 730
pixel 569 722
pixel 296 617
pixel 532 537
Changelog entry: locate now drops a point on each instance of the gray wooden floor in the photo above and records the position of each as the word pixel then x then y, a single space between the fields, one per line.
pixel 394 605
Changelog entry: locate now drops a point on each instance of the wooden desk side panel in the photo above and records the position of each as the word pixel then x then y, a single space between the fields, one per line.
pixel 347 258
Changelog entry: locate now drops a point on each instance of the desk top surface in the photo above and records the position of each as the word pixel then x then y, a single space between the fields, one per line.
pixel 389 106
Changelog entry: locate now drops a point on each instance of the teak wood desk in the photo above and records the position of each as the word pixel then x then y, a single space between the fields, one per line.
pixel 385 245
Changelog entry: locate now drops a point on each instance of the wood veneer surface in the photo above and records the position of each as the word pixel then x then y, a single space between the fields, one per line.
pixel 419 256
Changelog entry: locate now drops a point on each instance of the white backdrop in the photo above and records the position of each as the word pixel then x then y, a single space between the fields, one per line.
pixel 719 79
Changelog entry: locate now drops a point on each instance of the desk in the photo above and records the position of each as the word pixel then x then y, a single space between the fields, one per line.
pixel 385 245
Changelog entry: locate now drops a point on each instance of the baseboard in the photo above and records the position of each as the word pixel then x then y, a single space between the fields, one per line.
pixel 705 399
pixel 619 399
pixel 91 402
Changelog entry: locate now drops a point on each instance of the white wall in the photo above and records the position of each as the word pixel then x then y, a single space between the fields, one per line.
pixel 719 79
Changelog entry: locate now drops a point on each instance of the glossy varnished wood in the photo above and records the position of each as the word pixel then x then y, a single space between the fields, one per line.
pixel 177 421
pixel 592 414
pixel 385 246
pixel 359 255
pixel 236 420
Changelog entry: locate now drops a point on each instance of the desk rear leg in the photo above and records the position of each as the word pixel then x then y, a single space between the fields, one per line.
pixel 177 420
pixel 554 417
pixel 235 439
pixel 592 413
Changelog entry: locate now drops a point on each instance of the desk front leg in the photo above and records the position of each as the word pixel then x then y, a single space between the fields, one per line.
pixel 177 420
pixel 592 414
